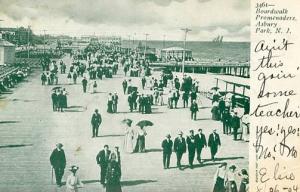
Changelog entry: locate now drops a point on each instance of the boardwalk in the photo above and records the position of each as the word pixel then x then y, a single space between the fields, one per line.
pixel 29 131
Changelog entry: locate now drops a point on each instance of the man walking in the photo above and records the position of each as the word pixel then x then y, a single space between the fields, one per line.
pixel 185 98
pixel 54 98
pixel 235 124
pixel 200 141
pixel 167 145
pixel 190 140
pixel 58 162
pixel 96 122
pixel 179 148
pixel 124 84
pixel 194 109
pixel 84 84
pixel 115 99
pixel 226 119
pixel 143 82
pixel 102 160
pixel 213 143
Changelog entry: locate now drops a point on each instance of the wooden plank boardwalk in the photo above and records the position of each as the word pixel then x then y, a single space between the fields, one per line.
pixel 29 131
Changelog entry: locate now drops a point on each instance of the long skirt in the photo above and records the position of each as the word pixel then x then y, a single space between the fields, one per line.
pixel 113 188
pixel 109 106
pixel 219 185
pixel 140 144
pixel 231 186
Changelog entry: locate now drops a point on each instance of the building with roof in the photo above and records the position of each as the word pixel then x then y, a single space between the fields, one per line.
pixel 7 52
pixel 175 53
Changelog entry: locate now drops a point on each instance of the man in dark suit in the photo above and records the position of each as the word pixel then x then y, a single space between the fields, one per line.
pixel 58 162
pixel 84 84
pixel 190 140
pixel 179 148
pixel 222 107
pixel 102 160
pixel 115 99
pixel 213 143
pixel 200 141
pixel 96 121
pixel 124 85
pixel 235 124
pixel 167 145
pixel 54 98
pixel 226 119
pixel 131 102
pixel 194 109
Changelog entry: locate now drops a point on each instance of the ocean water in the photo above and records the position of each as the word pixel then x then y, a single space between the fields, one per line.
pixel 227 51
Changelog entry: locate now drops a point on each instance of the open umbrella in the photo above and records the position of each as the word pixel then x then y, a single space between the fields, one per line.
pixel 144 123
pixel 55 88
pixel 127 121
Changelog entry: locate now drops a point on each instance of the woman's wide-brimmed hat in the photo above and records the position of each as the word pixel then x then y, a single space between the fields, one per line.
pixel 74 168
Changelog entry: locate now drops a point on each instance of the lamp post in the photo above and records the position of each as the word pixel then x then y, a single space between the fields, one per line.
pixel 146 34
pixel 44 41
pixel 28 31
pixel 186 30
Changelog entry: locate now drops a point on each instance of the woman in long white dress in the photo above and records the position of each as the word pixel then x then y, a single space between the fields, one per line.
pixel 245 127
pixel 73 182
pixel 128 138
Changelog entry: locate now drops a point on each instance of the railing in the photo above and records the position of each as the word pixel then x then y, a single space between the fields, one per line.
pixel 7 70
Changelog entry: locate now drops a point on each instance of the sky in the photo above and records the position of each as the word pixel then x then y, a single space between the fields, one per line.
pixel 132 18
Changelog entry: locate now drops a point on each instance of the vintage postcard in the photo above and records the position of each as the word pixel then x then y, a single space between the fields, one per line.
pixel 149 95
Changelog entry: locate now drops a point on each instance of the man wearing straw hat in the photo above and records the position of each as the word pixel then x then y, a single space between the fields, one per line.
pixel 167 145
pixel 58 162
pixel 179 148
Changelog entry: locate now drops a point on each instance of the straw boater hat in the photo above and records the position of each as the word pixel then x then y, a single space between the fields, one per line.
pixel 180 133
pixel 74 168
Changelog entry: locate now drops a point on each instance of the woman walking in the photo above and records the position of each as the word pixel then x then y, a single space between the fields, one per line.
pixel 141 137
pixel 113 175
pixel 73 182
pixel 129 138
pixel 220 178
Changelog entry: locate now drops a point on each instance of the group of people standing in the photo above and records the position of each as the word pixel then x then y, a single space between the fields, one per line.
pixel 59 99
pixel 108 161
pixel 110 168
pixel 226 179
pixel 134 139
pixel 112 103
pixel 193 143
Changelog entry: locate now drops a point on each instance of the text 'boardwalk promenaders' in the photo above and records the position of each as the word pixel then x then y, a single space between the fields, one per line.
pixel 275 109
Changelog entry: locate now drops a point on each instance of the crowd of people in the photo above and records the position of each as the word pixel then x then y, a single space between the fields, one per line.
pixel 161 91
pixel 10 80
pixel 59 99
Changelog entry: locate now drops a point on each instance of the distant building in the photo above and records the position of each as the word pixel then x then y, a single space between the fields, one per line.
pixel 102 39
pixel 7 53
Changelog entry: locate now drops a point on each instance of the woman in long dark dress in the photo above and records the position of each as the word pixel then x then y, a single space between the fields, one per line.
pixel 244 181
pixel 109 103
pixel 113 175
pixel 220 178
pixel 141 137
